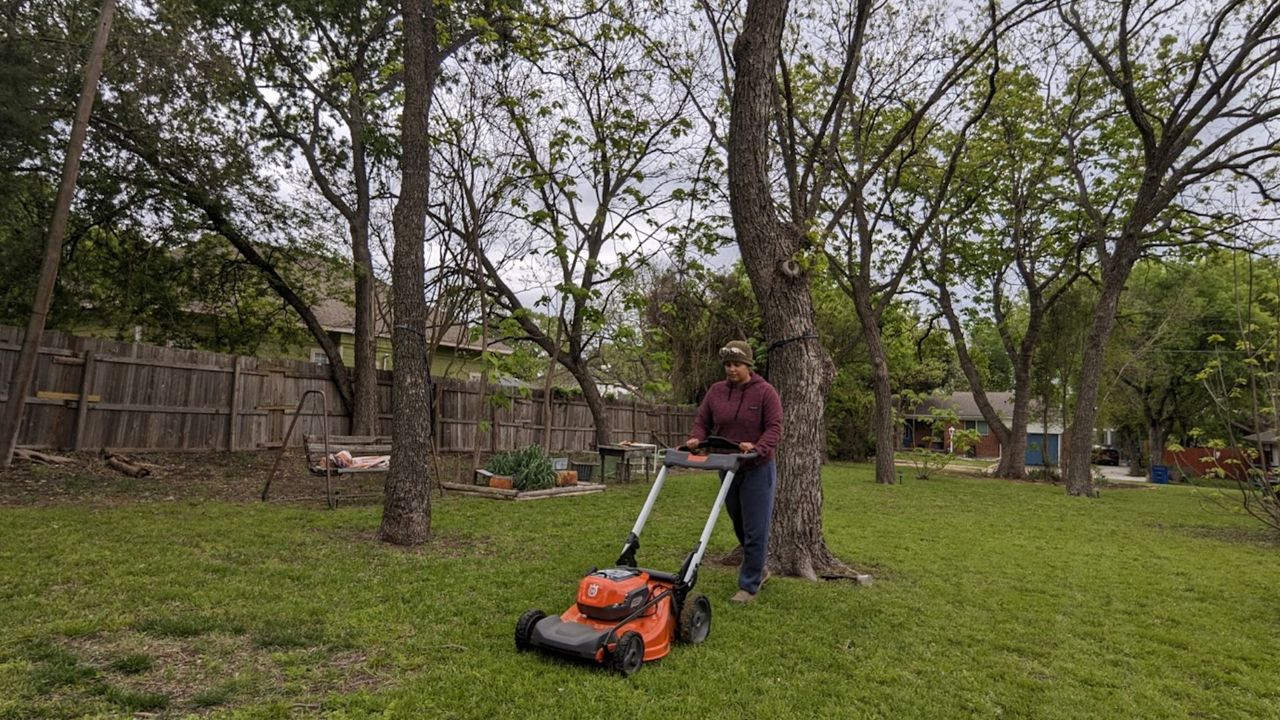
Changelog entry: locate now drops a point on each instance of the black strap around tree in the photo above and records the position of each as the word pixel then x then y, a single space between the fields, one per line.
pixel 783 343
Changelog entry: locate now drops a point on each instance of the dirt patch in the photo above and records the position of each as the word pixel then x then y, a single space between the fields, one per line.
pixel 1259 536
pixel 215 671
pixel 448 545
pixel 233 477
pixel 149 675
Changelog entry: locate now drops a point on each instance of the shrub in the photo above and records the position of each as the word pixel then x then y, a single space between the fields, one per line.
pixel 529 468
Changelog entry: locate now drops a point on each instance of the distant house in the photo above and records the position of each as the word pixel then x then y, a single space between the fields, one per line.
pixel 1044 443
pixel 564 380
pixel 456 356
pixel 1270 454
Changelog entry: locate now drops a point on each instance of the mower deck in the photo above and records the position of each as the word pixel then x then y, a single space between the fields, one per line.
pixel 574 634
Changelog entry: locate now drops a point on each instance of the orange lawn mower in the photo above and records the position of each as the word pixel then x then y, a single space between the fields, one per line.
pixel 627 615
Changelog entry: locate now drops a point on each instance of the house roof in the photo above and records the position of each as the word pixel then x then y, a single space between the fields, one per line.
pixel 964 405
pixel 1266 436
pixel 966 408
pixel 335 315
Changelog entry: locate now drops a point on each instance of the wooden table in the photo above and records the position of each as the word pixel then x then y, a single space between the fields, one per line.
pixel 622 455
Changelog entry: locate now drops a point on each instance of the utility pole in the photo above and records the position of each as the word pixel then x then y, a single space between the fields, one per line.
pixel 25 370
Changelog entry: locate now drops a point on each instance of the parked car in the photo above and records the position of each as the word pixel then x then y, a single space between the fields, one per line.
pixel 1105 456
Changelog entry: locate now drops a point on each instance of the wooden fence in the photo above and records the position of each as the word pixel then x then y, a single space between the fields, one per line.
pixel 92 393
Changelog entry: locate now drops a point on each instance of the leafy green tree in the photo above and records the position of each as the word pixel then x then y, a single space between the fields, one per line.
pixel 136 261
pixel 1242 376
pixel 863 132
pixel 180 140
pixel 1004 247
pixel 918 351
pixel 688 316
pixel 323 77
pixel 1197 128
pixel 1161 341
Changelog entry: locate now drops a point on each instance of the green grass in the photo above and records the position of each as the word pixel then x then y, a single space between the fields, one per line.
pixel 133 664
pixel 992 599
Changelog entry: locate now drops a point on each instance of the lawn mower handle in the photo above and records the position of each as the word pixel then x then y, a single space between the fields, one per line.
pixel 713 443
pixel 726 463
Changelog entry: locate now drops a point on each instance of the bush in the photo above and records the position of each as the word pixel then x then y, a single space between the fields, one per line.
pixel 529 469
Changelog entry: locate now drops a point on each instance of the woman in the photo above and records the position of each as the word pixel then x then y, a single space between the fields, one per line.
pixel 745 408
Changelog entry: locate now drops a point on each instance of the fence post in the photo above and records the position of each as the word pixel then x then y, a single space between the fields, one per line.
pixel 233 416
pixel 493 426
pixel 82 410
pixel 437 422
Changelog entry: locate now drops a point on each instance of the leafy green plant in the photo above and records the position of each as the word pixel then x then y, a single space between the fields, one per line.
pixel 944 427
pixel 529 468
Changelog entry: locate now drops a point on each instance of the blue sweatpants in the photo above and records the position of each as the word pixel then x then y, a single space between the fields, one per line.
pixel 750 506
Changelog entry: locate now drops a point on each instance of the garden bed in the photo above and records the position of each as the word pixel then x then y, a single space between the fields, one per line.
pixel 580 488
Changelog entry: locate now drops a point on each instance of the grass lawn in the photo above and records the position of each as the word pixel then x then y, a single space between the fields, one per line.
pixel 992 599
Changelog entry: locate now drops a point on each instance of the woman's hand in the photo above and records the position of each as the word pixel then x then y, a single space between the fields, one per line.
pixel 746 447
pixel 691 443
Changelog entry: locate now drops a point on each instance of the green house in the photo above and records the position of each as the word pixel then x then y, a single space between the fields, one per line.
pixel 455 355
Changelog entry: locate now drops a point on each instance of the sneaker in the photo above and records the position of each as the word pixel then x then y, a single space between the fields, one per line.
pixel 742 597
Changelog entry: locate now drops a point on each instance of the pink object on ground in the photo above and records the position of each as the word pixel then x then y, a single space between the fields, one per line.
pixel 343 459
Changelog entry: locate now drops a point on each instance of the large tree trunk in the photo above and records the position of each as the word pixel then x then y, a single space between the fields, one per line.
pixel 1079 481
pixel 800 367
pixel 406 510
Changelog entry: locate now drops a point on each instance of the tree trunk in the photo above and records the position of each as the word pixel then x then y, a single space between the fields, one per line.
pixel 1014 462
pixel 1013 441
pixel 547 407
pixel 478 439
pixel 364 415
pixel 882 390
pixel 1013 455
pixel 1115 274
pixel 406 510
pixel 881 387
pixel 1133 446
pixel 1155 447
pixel 24 371
pixel 595 402
pixel 801 369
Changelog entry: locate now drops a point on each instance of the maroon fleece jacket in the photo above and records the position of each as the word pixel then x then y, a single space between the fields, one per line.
pixel 750 412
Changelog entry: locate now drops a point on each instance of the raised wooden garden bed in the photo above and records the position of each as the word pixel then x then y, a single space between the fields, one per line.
pixel 502 494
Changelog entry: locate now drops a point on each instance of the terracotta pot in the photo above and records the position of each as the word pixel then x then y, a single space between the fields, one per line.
pixel 502 482
pixel 567 477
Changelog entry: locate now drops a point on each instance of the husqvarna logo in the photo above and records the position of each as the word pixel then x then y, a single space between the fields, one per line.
pixel 593 589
